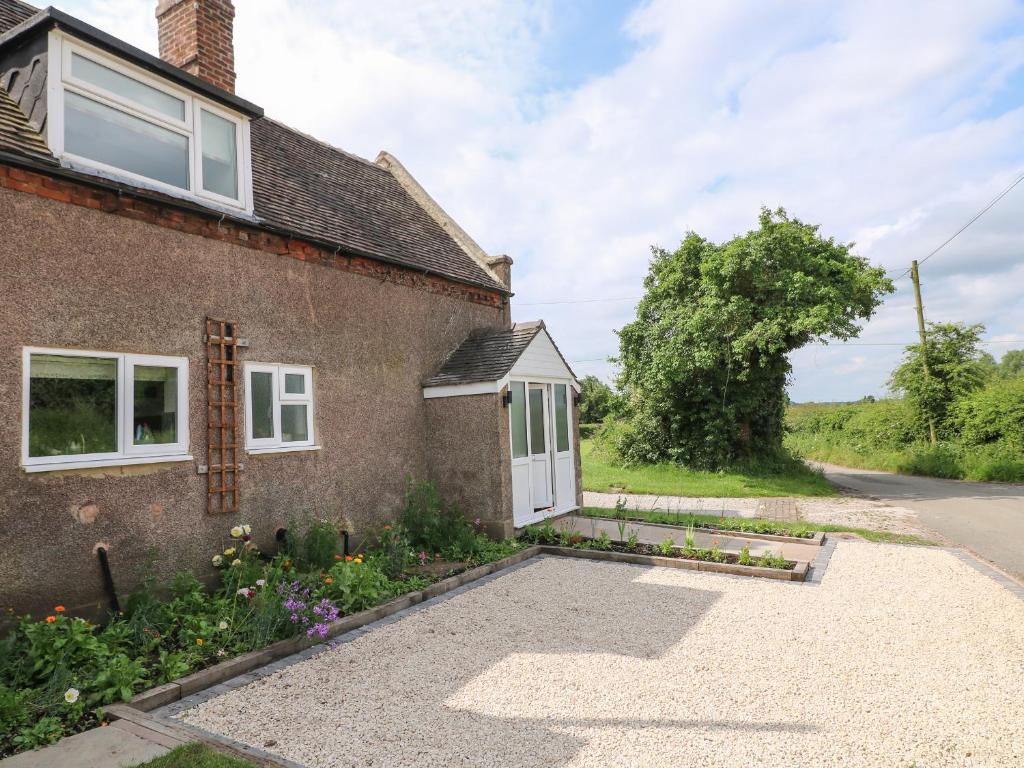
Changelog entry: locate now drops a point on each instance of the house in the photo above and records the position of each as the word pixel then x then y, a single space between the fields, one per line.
pixel 210 318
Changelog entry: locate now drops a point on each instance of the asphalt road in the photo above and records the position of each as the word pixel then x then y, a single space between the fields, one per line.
pixel 987 518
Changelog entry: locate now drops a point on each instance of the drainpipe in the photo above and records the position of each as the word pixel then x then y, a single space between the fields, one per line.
pixel 108 578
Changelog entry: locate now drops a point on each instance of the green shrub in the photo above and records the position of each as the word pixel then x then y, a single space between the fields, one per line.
pixel 994 414
pixel 434 526
pixel 941 460
pixel 588 430
pixel 319 544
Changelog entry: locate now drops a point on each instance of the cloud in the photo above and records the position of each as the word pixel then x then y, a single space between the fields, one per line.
pixel 890 124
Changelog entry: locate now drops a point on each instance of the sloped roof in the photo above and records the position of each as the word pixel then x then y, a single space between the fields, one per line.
pixel 303 184
pixel 486 356
pixel 311 189
pixel 13 12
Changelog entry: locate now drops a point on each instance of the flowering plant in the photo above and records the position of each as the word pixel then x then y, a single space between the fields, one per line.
pixel 312 615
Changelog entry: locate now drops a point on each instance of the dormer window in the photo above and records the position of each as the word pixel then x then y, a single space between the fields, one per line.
pixel 122 122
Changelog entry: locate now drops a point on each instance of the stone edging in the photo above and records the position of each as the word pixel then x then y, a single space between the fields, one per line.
pixel 816 540
pixel 799 573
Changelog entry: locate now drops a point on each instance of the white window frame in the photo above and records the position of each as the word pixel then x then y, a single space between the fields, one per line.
pixel 60 80
pixel 127 453
pixel 276 444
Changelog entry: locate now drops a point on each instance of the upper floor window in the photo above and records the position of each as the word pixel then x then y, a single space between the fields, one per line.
pixel 120 120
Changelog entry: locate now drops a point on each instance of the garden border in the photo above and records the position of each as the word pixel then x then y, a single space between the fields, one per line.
pixel 206 678
pixel 817 539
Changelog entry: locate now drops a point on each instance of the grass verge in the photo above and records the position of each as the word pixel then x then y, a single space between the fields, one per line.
pixel 195 756
pixel 601 473
pixel 801 529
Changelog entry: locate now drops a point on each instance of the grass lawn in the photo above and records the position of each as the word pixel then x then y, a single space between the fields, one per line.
pixel 600 474
pixel 759 525
pixel 195 756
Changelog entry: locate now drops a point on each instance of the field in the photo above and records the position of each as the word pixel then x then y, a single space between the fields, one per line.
pixel 603 473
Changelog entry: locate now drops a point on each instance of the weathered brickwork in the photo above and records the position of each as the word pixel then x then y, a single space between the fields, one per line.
pixel 196 35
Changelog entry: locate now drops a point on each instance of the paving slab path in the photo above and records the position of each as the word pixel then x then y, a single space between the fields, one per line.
pixel 115 746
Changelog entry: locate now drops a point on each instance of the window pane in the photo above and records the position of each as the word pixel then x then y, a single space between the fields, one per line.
pixel 220 157
pixel 261 404
pixel 126 87
pixel 294 384
pixel 561 419
pixel 109 136
pixel 294 428
pixel 518 415
pixel 72 405
pixel 155 417
pixel 537 443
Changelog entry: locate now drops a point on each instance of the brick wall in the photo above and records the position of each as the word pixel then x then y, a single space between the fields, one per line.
pixel 197 35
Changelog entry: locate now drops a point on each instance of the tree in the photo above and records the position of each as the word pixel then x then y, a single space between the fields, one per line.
pixel 1012 364
pixel 596 400
pixel 956 367
pixel 705 362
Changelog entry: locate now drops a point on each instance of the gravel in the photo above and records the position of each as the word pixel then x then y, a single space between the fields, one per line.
pixel 903 656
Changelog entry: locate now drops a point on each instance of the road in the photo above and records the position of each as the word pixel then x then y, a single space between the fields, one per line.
pixel 987 518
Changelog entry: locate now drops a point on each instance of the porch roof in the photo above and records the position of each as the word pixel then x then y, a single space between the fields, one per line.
pixel 490 355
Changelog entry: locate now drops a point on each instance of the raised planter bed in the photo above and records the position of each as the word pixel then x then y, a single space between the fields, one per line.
pixel 797 571
pixel 816 540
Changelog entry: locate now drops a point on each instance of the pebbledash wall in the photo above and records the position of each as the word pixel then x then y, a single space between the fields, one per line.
pixel 78 277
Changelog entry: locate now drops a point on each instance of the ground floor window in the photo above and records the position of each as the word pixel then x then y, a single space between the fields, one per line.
pixel 279 406
pixel 104 407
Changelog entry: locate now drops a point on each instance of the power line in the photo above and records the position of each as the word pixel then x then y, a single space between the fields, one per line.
pixel 842 344
pixel 579 301
pixel 974 218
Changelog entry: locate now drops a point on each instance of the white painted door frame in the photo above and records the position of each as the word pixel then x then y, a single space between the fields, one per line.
pixel 525 469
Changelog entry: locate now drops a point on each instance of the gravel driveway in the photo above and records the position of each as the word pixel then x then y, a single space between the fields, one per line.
pixel 909 661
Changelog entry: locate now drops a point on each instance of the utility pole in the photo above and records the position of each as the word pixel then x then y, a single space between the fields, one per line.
pixel 920 329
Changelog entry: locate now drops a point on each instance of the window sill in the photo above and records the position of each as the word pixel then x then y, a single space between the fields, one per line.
pixel 121 461
pixel 282 449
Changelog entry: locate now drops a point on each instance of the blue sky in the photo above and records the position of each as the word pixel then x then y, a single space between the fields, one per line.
pixel 573 135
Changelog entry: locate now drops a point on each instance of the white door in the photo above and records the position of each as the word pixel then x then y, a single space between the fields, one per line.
pixel 565 467
pixel 522 501
pixel 540 467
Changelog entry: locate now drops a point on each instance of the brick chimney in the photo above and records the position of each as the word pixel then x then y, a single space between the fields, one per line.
pixel 197 35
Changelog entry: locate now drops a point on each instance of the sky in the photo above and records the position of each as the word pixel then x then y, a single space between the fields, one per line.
pixel 575 135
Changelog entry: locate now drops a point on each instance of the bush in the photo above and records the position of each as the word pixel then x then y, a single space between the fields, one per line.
pixel 994 414
pixel 941 460
pixel 434 526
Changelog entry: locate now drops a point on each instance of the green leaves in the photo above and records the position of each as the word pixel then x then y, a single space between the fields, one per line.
pixel 704 365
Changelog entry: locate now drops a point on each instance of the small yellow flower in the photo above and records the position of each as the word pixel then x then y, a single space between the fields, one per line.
pixel 247 530
pixel 217 560
pixel 235 563
pixel 230 552
pixel 358 561
pixel 199 641
pixel 236 532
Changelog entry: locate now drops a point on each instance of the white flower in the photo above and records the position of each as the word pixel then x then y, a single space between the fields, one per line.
pixel 244 591
pixel 71 695
pixel 261 582
pixel 236 532
pixel 222 652
pixel 236 562
pixel 247 530
pixel 217 560
pixel 223 625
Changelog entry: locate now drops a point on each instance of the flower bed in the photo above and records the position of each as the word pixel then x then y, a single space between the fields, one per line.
pixel 797 529
pixel 547 534
pixel 57 673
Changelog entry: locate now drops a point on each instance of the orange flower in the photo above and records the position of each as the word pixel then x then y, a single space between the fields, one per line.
pixel 348 558
pixel 387 527
pixel 50 619
pixel 337 557
pixel 59 609
pixel 328 580
pixel 199 641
